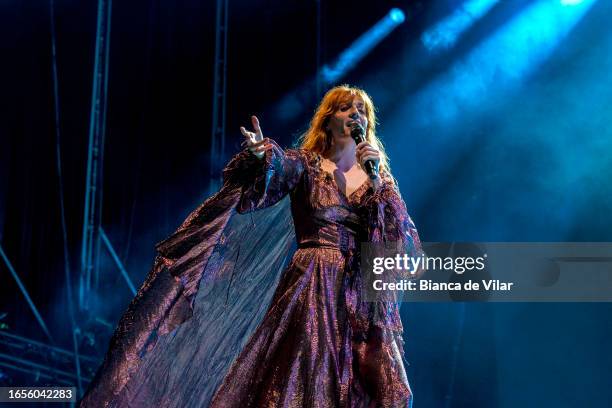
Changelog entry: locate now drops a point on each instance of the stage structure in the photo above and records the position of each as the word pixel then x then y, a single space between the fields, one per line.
pixel 92 214
pixel 45 363
pixel 219 102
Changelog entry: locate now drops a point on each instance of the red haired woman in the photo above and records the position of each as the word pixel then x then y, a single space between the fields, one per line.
pixel 318 343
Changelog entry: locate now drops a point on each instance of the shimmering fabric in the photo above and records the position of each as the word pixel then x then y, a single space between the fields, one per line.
pixel 303 338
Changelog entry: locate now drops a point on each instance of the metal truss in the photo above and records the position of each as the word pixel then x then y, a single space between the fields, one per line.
pixel 217 148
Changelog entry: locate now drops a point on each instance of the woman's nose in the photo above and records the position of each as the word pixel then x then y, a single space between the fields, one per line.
pixel 354 114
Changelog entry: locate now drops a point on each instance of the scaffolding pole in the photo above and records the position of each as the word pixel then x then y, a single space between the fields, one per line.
pixel 217 147
pixel 92 214
pixel 113 254
pixel 44 361
pixel 26 295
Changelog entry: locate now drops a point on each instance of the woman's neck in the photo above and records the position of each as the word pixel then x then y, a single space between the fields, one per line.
pixel 342 155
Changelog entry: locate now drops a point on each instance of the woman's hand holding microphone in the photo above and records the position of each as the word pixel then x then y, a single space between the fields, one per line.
pixel 365 151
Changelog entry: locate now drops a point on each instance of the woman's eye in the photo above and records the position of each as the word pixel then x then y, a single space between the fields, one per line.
pixel 344 108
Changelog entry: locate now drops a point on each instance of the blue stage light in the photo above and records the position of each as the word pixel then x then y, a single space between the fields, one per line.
pixel 397 15
pixel 292 104
pixel 444 34
pixel 362 46
pixel 502 60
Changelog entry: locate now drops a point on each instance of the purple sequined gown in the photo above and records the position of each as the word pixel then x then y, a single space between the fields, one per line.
pixel 315 344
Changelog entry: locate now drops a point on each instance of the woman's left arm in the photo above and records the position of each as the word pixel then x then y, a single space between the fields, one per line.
pixel 387 217
pixel 391 232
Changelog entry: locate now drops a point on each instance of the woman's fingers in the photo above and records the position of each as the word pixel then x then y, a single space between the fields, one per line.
pixel 248 143
pixel 250 136
pixel 260 143
pixel 258 148
pixel 261 150
pixel 365 147
pixel 366 152
pixel 363 144
pixel 257 127
pixel 253 137
pixel 255 141
pixel 373 157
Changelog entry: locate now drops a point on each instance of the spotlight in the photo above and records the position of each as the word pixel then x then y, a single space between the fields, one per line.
pixel 292 104
pixel 397 15
pixel 502 60
pixel 446 33
pixel 355 52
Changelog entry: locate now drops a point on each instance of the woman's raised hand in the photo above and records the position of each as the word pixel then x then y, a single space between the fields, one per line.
pixel 255 140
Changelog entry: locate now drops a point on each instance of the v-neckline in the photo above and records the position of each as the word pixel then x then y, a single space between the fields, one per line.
pixel 346 197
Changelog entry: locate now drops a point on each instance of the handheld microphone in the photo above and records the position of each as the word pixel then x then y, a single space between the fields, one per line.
pixel 357 133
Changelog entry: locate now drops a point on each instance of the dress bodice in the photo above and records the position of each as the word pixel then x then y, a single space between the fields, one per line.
pixel 322 214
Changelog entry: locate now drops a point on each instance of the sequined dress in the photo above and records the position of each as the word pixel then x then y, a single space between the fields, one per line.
pixel 305 338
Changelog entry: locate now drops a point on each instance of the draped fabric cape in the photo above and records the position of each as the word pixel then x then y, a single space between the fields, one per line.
pixel 211 284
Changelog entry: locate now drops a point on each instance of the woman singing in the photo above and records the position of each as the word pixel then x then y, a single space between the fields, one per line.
pixel 202 330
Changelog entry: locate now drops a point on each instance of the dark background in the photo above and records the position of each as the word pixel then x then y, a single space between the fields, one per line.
pixel 524 157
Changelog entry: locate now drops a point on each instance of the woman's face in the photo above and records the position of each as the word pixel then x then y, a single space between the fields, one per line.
pixel 349 111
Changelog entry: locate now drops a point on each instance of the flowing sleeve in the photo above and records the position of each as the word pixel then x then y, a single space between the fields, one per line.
pixel 264 182
pixel 389 222
pixel 204 292
pixel 390 226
